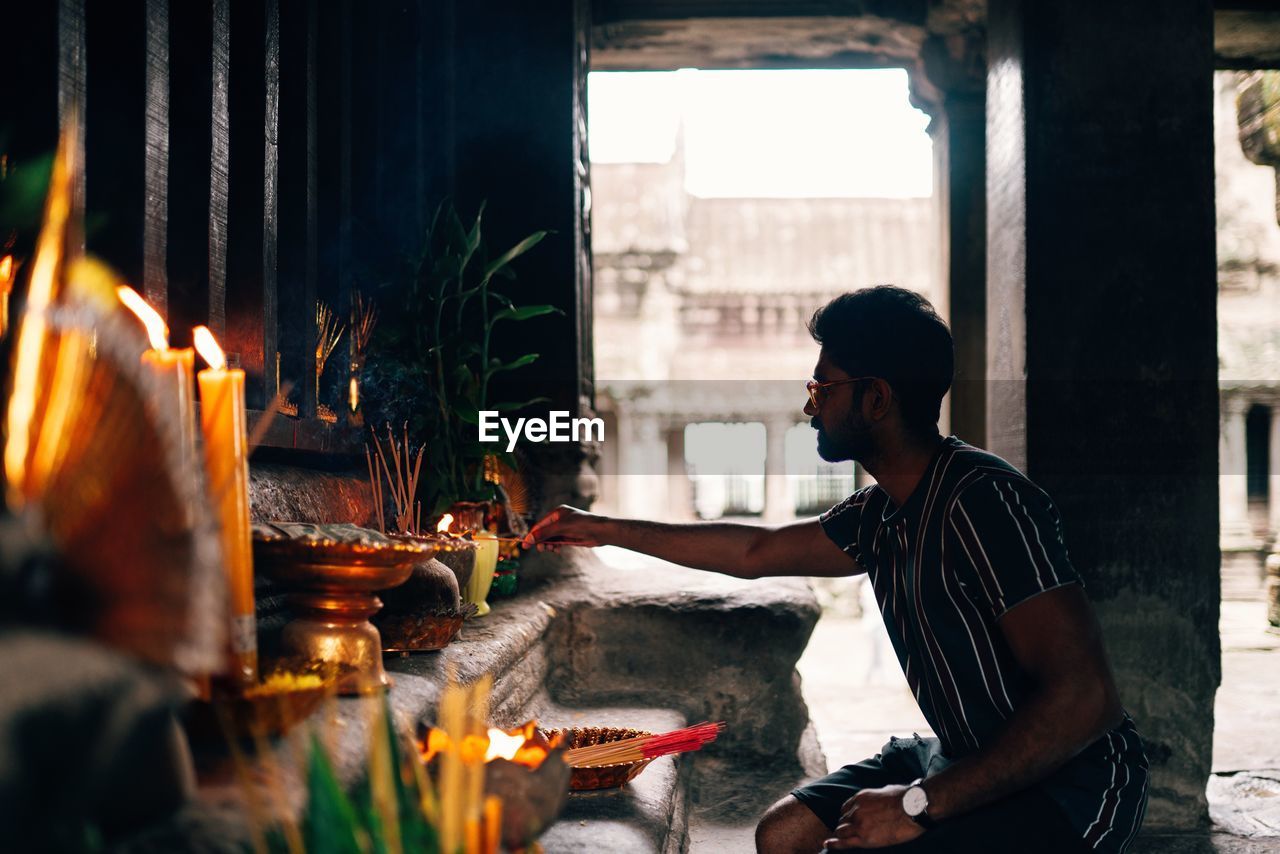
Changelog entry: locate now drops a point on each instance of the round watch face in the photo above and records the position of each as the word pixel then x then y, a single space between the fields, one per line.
pixel 915 801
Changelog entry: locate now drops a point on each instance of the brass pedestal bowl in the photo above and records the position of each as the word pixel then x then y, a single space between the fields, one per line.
pixel 332 573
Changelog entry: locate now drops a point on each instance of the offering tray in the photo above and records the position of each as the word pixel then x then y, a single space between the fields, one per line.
pixel 409 633
pixel 589 777
pixel 333 573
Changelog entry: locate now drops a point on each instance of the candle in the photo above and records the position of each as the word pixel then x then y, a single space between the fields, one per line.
pixel 7 271
pixel 173 369
pixel 226 453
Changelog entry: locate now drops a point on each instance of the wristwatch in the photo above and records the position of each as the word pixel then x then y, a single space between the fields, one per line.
pixel 915 803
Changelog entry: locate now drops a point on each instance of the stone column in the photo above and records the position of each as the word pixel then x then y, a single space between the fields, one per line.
pixel 778 504
pixel 1235 532
pixel 679 487
pixel 951 84
pixel 642 466
pixel 1102 337
pixel 1273 478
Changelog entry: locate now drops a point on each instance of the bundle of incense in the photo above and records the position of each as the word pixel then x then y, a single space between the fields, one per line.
pixel 643 747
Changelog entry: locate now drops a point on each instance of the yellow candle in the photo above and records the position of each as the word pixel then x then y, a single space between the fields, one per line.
pixel 7 271
pixel 173 370
pixel 226 454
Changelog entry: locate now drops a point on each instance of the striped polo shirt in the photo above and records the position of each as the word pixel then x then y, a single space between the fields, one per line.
pixel 975 539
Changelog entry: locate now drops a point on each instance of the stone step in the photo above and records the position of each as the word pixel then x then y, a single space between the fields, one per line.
pixel 731 792
pixel 648 815
pixel 594 646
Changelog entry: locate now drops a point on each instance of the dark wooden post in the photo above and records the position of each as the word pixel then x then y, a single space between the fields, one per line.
pixel 115 135
pixel 196 196
pixel 251 273
pixel 297 203
pixel 155 176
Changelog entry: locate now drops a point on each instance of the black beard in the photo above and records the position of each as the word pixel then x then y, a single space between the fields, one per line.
pixel 852 442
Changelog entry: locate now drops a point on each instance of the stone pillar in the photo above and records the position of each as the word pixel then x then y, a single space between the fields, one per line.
pixel 779 506
pixel 642 468
pixel 1235 532
pixel 951 86
pixel 679 487
pixel 1102 338
pixel 1273 478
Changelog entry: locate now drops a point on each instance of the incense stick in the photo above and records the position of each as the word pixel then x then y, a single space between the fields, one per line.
pixel 638 748
pixel 402 474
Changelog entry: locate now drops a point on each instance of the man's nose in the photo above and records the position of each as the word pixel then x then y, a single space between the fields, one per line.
pixel 809 408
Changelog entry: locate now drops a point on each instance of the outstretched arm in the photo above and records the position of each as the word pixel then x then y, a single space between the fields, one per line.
pixel 744 551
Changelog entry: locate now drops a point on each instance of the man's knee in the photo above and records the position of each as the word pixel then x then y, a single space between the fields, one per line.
pixel 789 827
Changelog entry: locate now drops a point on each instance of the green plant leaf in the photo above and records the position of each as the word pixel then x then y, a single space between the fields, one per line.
pixel 514 252
pixel 332 824
pixel 511 406
pixel 525 312
pixel 526 359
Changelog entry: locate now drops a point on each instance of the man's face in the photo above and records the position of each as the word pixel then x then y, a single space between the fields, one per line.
pixel 843 432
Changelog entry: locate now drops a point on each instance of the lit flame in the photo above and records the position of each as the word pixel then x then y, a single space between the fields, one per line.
pixel 156 329
pixel 521 745
pixel 503 746
pixel 29 354
pixel 6 271
pixel 445 521
pixel 207 347
pixel 353 394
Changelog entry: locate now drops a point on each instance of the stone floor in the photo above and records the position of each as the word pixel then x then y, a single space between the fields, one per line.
pixel 857 697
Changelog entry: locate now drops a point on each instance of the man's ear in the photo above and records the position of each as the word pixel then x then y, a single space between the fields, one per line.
pixel 879 398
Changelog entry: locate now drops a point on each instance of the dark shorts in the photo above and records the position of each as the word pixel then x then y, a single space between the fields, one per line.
pixel 1026 821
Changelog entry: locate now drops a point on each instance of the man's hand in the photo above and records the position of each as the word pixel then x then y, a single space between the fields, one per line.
pixel 874 818
pixel 565 526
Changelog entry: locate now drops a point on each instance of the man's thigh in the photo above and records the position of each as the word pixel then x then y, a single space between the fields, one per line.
pixel 900 761
pixel 1028 821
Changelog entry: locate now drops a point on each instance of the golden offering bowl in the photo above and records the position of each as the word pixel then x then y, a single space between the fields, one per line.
pixel 271 708
pixel 333 573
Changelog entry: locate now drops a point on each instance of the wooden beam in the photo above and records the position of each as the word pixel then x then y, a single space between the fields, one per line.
pixel 155 173
pixel 191 111
pixel 250 291
pixel 297 198
pixel 114 134
pixel 219 164
pixel 72 92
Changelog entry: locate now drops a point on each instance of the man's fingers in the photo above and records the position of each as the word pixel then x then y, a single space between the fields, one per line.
pixel 542 530
pixel 844 843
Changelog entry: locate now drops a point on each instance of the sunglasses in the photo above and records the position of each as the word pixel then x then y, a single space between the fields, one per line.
pixel 818 391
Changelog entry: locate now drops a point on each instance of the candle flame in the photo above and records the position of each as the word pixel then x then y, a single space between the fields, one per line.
pixel 157 331
pixel 353 394
pixel 445 521
pixel 207 347
pixel 521 745
pixel 503 746
pixel 6 271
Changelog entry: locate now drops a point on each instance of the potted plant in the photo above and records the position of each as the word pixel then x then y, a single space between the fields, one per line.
pixel 433 364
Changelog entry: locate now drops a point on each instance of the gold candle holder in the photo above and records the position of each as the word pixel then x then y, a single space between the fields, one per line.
pixel 333 574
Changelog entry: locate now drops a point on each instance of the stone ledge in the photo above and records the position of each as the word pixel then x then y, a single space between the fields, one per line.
pixel 667 646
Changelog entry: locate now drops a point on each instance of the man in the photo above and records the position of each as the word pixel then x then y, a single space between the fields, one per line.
pixel 989 620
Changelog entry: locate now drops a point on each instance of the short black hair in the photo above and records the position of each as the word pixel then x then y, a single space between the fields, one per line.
pixel 895 334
